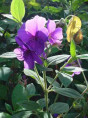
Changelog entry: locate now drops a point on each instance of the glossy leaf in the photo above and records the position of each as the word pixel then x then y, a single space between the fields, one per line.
pixel 65 78
pixel 57 59
pixel 81 87
pixel 30 89
pixel 42 102
pixel 34 76
pixel 74 69
pixel 30 105
pixel 45 115
pixel 17 9
pixel 83 56
pixel 8 55
pixel 5 73
pixel 59 108
pixel 8 108
pixel 22 114
pixel 41 68
pixel 5 115
pixel 19 94
pixel 55 83
pixel 68 92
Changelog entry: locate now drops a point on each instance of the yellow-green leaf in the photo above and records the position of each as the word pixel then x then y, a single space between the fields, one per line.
pixel 18 9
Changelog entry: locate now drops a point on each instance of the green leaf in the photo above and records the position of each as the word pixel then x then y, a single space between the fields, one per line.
pixel 3 92
pixel 55 83
pixel 56 0
pixel 30 105
pixel 52 9
pixel 31 89
pixel 41 68
pixel 76 4
pixel 34 76
pixel 5 72
pixel 8 16
pixel 73 49
pixel 83 56
pixel 65 78
pixel 22 114
pixel 8 108
pixel 71 115
pixel 57 59
pixel 18 9
pixel 34 4
pixel 8 55
pixel 19 94
pixel 59 108
pixel 4 115
pixel 68 92
pixel 45 115
pixel 74 69
pixel 42 102
pixel 81 87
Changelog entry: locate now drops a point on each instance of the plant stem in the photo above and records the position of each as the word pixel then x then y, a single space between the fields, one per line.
pixel 56 98
pixel 45 91
pixel 66 63
pixel 38 77
pixel 83 74
pixel 57 73
pixel 53 81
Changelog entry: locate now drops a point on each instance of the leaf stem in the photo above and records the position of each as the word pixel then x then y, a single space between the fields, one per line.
pixel 45 91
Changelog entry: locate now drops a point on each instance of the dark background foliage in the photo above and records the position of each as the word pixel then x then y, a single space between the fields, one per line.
pixel 11 70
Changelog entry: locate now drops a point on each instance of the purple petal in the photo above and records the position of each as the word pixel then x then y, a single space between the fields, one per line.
pixel 24 35
pixel 31 27
pixel 36 45
pixel 40 21
pixel 58 42
pixel 57 34
pixel 51 26
pixel 76 73
pixel 51 40
pixel 20 43
pixel 28 60
pixel 36 58
pixel 43 34
pixel 55 115
pixel 19 53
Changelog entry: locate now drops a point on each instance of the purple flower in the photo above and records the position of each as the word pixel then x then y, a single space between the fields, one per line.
pixel 75 64
pixel 55 35
pixel 24 54
pixel 33 34
pixel 55 115
pixel 31 38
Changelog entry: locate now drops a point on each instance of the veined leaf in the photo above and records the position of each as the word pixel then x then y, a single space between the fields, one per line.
pixel 68 92
pixel 65 78
pixel 57 59
pixel 34 76
pixel 8 55
pixel 83 56
pixel 18 9
pixel 59 108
